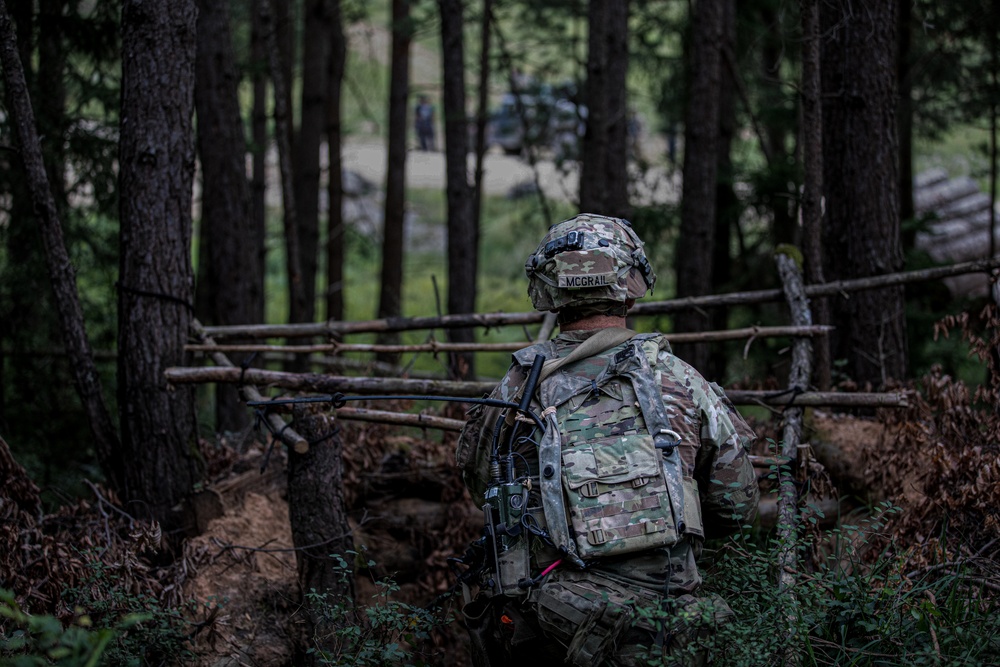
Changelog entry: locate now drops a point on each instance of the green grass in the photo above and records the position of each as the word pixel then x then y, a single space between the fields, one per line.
pixel 963 150
pixel 510 232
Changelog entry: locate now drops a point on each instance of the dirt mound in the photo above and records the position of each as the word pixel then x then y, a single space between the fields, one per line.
pixel 242 573
pixel 842 443
pixel 408 513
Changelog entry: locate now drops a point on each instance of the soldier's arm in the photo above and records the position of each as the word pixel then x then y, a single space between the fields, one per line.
pixel 726 479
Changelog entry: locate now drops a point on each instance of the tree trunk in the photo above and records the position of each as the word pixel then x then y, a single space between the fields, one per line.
pixel 391 293
pixel 282 133
pixel 315 45
pixel 61 271
pixel 232 275
pixel 27 317
pixel 156 158
pixel 604 171
pixel 258 182
pixel 727 206
pixel 335 185
pixel 52 105
pixel 812 181
pixel 463 235
pixel 861 236
pixel 698 211
pixel 283 25
pixel 904 78
pixel 482 109
pixel 777 125
pixel 319 524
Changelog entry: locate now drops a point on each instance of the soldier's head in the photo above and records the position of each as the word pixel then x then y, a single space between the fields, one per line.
pixel 588 265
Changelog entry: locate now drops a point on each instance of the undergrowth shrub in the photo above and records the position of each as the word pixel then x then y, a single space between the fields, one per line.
pixel 917 582
pixel 121 630
pixel 372 633
pixel 849 608
pixel 146 632
pixel 942 460
pixel 29 640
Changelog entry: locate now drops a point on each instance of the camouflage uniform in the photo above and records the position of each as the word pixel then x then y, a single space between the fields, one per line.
pixel 714 449
pixel 612 612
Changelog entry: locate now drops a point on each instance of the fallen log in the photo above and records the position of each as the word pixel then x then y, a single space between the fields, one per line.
pixel 826 511
pixel 332 384
pixel 790 479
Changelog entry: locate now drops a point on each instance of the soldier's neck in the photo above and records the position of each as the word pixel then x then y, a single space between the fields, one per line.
pixel 593 322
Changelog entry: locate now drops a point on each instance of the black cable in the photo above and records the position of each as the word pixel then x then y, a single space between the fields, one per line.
pixel 244 365
pixel 339 400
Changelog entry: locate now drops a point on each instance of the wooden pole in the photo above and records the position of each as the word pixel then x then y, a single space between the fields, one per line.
pixel 798 380
pixel 333 329
pixel 331 384
pixel 435 347
pixel 248 392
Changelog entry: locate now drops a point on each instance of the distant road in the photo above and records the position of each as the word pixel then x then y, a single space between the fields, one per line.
pixel 501 172
pixel 427 170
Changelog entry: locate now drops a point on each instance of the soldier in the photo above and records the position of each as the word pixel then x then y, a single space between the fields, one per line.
pixel 423 123
pixel 595 525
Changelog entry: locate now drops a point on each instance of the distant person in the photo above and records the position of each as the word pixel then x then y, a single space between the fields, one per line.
pixel 672 144
pixel 423 120
pixel 634 129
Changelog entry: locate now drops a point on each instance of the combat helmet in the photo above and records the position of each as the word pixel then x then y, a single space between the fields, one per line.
pixel 588 260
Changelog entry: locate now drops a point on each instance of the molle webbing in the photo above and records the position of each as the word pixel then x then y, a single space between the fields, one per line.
pixel 654 413
pixel 631 362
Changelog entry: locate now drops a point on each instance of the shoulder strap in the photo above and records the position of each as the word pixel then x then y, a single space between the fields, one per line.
pixel 605 339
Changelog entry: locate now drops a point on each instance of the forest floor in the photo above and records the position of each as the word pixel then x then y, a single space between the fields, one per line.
pixel 237 583
pixel 244 560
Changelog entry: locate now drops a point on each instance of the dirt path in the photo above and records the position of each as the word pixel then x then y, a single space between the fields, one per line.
pixel 501 173
pixel 427 170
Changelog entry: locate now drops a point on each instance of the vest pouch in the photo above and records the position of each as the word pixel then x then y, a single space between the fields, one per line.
pixel 587 618
pixel 692 509
pixel 616 496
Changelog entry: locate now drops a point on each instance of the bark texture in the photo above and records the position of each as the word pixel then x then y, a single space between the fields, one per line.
pixel 276 58
pixel 701 137
pixel 463 234
pixel 318 517
pixel 727 206
pixel 156 158
pixel 258 133
pixel 233 272
pixel 604 172
pixel 390 301
pixel 861 236
pixel 812 180
pixel 313 122
pixel 335 185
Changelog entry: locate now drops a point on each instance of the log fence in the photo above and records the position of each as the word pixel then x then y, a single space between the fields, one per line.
pixel 333 332
pixel 789 403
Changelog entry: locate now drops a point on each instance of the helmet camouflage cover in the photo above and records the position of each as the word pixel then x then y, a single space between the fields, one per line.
pixel 588 259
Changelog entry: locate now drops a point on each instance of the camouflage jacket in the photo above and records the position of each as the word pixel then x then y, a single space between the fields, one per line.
pixel 715 442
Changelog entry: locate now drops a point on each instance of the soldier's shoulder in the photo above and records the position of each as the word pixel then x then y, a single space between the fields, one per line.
pixel 678 375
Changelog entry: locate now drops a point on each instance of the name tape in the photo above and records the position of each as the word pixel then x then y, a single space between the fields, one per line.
pixel 587 280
